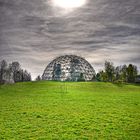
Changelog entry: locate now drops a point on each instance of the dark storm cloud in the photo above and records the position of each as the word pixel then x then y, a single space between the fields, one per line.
pixel 34 32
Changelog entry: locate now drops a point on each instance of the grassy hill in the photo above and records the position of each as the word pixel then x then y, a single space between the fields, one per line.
pixel 57 110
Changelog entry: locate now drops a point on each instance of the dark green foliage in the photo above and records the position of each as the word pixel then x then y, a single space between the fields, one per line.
pixel 118 74
pixel 98 77
pixel 131 73
pixel 123 73
pixel 137 79
pixel 102 76
pixel 109 70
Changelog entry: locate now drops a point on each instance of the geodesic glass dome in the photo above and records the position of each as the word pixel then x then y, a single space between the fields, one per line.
pixel 69 68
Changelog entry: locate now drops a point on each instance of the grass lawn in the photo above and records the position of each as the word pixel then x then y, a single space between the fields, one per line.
pixel 69 111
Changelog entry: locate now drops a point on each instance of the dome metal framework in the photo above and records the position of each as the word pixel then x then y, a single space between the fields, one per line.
pixel 69 68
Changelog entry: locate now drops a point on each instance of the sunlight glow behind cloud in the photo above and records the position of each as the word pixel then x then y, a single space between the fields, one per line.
pixel 68 4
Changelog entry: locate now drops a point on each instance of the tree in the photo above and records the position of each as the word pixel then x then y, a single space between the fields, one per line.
pixel 117 73
pixel 26 76
pixel 15 66
pixel 131 73
pixel 124 73
pixel 102 76
pixel 137 79
pixel 6 74
pixel 38 78
pixel 17 72
pixel 20 75
pixel 13 73
pixel 3 67
pixel 3 64
pixel 98 77
pixel 110 71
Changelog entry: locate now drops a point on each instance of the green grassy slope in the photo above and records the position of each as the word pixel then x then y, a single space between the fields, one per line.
pixel 55 110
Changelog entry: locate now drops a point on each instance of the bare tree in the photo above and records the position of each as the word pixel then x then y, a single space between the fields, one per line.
pixel 26 76
pixel 3 67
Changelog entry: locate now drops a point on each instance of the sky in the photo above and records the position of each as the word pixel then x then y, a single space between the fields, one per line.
pixel 34 32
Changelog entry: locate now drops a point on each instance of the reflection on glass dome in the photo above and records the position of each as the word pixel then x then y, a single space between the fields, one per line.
pixel 69 68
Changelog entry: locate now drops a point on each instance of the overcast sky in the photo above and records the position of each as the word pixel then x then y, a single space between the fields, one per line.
pixel 34 32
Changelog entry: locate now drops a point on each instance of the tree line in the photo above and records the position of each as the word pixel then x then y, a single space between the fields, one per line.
pixel 12 73
pixel 118 74
pixel 124 73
